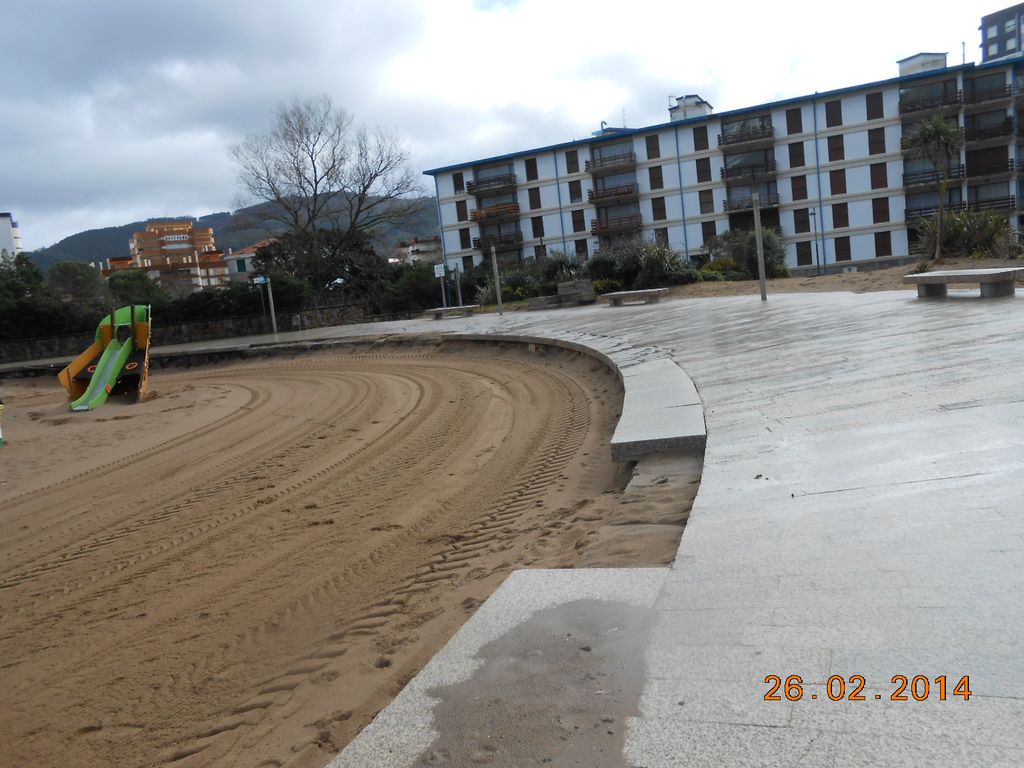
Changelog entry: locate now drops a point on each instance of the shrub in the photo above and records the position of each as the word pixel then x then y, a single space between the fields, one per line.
pixel 606 285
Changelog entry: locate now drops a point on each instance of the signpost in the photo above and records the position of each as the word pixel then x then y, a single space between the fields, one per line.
pixel 261 280
pixel 497 280
pixel 760 246
pixel 439 273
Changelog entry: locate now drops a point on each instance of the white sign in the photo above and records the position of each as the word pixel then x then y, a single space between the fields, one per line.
pixel 439 270
pixel 259 279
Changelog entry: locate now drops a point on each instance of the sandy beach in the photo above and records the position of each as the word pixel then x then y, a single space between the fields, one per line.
pixel 244 569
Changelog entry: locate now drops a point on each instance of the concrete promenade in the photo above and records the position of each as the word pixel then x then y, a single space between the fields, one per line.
pixel 861 513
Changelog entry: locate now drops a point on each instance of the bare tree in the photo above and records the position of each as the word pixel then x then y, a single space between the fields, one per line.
pixel 325 173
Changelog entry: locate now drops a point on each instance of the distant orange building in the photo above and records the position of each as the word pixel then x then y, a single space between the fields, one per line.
pixel 181 257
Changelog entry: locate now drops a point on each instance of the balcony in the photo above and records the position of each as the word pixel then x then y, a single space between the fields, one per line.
pixel 913 213
pixel 760 171
pixel 503 212
pixel 982 132
pixel 747 203
pixel 506 242
pixel 991 169
pixel 916 178
pixel 1008 203
pixel 987 95
pixel 492 184
pixel 603 166
pixel 623 193
pixel 615 224
pixel 762 135
pixel 923 103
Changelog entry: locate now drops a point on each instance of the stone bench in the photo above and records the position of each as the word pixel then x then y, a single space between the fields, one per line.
pixel 462 310
pixel 994 282
pixel 645 296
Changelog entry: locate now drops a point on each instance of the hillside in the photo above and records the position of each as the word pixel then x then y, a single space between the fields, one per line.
pixel 231 230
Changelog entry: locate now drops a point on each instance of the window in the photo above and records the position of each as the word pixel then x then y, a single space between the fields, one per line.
pixel 703 169
pixel 467 263
pixel 879 177
pixel 842 248
pixel 874 105
pixel 658 208
pixel 707 201
pixel 575 192
pixel 993 49
pixel 799 187
pixel 707 230
pixel 581 248
pixel 531 169
pixel 240 265
pixel 880 210
pixel 794 121
pixel 459 182
pixel 837 182
pixel 572 161
pixel 661 236
pixel 883 244
pixel 653 148
pixel 537 222
pixel 1009 25
pixel 464 237
pixel 796 155
pixel 579 222
pixel 840 216
pixel 700 137
pixel 833 113
pixel 540 252
pixel 657 182
pixel 801 220
pixel 803 254
pixel 836 150
pixel 460 210
pixel 1011 43
pixel 876 141
pixel 534 193
pixel 993 30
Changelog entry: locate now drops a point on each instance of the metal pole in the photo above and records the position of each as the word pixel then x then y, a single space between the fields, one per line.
pixel 760 246
pixel 814 223
pixel 458 285
pixel 273 315
pixel 497 280
pixel 444 294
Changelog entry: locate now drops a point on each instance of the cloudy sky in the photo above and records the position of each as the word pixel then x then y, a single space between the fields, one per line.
pixel 115 111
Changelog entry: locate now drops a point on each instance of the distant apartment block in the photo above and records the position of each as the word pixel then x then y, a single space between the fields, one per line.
pixel 832 172
pixel 425 249
pixel 181 257
pixel 10 237
pixel 1001 33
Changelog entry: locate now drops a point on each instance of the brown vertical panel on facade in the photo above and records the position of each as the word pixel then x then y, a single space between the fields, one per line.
pixel 794 121
pixel 658 208
pixel 874 105
pixel 531 169
pixel 833 113
pixel 879 176
pixel 579 223
pixel 799 184
pixel 653 147
pixel 575 191
pixel 656 178
pixel 842 248
pixel 803 254
pixel 534 194
pixel 801 220
pixel 700 137
pixel 572 161
pixel 880 210
pixel 707 200
pixel 537 222
pixel 661 236
pixel 703 169
pixel 876 141
pixel 707 230
pixel 461 213
pixel 883 243
pixel 837 182
pixel 458 182
pixel 836 150
pixel 796 155
pixel 840 215
pixel 464 238
pixel 581 248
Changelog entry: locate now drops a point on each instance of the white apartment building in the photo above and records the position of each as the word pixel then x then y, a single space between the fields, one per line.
pixel 831 170
pixel 10 237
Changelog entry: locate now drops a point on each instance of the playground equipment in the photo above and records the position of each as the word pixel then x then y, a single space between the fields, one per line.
pixel 117 363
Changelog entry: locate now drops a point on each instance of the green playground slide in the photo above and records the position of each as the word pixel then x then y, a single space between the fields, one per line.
pixel 105 376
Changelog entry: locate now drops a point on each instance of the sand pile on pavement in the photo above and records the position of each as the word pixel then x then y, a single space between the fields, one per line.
pixel 243 570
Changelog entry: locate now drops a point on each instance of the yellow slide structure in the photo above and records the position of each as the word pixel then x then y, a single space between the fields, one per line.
pixel 117 362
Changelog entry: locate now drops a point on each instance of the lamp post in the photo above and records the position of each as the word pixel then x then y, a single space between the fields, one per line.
pixel 814 225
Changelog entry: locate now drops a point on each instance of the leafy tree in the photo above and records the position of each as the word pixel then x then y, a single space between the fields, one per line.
pixel 134 286
pixel 77 281
pixel 938 141
pixel 21 279
pixel 738 249
pixel 332 182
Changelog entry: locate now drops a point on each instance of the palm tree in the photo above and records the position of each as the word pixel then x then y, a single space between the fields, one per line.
pixel 938 141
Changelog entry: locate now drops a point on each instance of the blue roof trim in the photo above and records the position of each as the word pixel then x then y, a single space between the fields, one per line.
pixel 626 132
